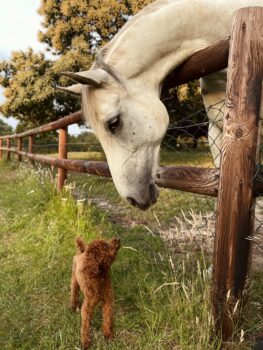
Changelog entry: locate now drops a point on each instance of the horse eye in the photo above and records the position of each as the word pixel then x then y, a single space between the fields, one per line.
pixel 114 124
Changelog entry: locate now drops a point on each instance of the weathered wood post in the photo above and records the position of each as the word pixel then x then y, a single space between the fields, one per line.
pixel 19 148
pixel 235 206
pixel 62 154
pixel 8 146
pixel 30 147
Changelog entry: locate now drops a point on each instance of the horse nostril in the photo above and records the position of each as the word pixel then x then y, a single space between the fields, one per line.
pixel 132 201
pixel 142 206
pixel 153 193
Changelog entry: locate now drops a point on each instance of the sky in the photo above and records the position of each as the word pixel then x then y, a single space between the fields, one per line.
pixel 19 25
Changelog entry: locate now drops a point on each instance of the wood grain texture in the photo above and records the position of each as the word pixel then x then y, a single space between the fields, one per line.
pixel 202 63
pixel 235 205
pixel 62 154
pixel 189 179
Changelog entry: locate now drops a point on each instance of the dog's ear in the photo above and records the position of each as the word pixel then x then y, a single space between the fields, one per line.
pixel 80 245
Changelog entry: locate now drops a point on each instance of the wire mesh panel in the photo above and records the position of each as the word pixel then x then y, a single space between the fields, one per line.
pixel 257 255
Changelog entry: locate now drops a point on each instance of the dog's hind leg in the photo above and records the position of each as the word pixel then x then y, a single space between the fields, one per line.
pixel 87 310
pixel 74 290
pixel 107 311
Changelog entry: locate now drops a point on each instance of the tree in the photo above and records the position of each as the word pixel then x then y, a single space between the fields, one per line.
pixel 83 24
pixel 186 112
pixel 5 129
pixel 30 83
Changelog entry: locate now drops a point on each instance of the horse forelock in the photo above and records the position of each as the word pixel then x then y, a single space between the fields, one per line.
pixel 88 102
pixel 100 63
pixel 88 105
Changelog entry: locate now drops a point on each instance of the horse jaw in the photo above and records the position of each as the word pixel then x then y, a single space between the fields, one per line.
pixel 133 151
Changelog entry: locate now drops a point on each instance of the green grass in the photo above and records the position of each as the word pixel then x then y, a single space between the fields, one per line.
pixel 162 299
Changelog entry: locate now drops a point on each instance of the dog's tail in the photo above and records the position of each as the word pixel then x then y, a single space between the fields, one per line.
pixel 80 245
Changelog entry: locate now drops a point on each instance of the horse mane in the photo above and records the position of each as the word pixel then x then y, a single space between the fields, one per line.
pixel 88 105
pixel 100 63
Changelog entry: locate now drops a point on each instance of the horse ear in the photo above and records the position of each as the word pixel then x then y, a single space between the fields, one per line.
pixel 96 77
pixel 73 89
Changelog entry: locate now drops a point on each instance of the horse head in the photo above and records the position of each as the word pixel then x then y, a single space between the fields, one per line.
pixel 130 122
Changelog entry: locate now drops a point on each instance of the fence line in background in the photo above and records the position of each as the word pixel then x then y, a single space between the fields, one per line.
pixel 236 184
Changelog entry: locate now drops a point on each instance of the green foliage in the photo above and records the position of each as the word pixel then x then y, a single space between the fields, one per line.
pixel 71 24
pixel 5 129
pixel 183 101
pixel 29 80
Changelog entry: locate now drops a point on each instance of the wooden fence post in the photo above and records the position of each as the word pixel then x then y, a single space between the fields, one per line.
pixel 30 147
pixel 62 154
pixel 235 206
pixel 19 148
pixel 8 146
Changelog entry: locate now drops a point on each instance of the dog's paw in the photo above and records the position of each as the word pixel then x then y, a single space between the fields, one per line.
pixel 73 308
pixel 108 335
pixel 86 345
pixel 78 309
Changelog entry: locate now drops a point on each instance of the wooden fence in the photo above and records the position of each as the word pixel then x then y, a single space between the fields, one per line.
pixel 235 185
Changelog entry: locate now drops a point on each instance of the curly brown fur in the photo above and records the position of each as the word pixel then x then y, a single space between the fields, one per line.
pixel 91 275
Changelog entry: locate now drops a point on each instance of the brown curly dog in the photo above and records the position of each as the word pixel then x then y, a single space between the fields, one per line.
pixel 91 275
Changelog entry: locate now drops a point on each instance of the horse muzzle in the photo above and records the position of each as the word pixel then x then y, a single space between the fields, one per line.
pixel 151 198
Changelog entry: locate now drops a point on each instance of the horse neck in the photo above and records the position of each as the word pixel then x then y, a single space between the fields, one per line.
pixel 166 33
pixel 159 39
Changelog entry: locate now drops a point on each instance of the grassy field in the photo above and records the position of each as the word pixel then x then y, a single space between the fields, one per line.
pixel 162 299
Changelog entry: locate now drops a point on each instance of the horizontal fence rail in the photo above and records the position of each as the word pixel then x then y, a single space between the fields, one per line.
pixel 58 124
pixel 183 178
pixel 202 63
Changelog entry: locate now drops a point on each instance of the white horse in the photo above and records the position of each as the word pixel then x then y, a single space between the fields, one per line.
pixel 121 91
